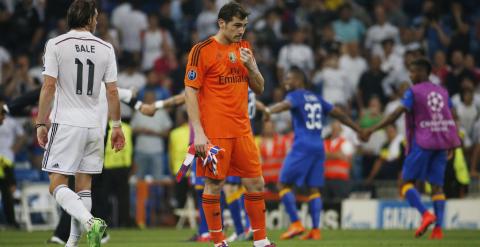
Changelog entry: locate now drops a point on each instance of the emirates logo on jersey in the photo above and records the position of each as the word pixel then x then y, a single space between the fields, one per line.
pixel 232 57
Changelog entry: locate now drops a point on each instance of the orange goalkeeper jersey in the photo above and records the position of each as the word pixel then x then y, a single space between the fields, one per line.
pixel 222 82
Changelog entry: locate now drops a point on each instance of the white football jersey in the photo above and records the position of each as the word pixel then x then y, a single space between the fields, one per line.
pixel 80 62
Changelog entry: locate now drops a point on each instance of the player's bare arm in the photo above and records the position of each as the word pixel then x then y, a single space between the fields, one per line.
pixel 392 117
pixel 117 139
pixel 276 108
pixel 200 140
pixel 256 81
pixel 260 106
pixel 150 109
pixel 46 97
pixel 337 113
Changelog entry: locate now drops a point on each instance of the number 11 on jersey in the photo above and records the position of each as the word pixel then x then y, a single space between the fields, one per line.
pixel 91 70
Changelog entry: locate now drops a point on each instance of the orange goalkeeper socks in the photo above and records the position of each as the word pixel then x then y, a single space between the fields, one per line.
pixel 213 215
pixel 255 207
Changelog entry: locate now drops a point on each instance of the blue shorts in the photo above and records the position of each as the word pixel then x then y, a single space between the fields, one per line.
pixel 194 179
pixel 425 165
pixel 303 168
pixel 233 180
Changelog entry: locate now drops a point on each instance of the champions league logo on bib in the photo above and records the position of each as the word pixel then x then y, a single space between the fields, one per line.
pixel 437 124
pixel 435 101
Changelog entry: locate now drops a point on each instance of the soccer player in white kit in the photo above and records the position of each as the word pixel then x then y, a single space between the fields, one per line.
pixel 75 64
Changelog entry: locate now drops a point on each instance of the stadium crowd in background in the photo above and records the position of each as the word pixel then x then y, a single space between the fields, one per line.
pixel 353 52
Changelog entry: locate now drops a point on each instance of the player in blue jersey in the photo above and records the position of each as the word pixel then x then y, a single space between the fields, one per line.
pixel 303 166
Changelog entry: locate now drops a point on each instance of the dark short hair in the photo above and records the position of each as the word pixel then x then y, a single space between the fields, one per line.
pixel 231 9
pixel 80 12
pixel 298 73
pixel 422 63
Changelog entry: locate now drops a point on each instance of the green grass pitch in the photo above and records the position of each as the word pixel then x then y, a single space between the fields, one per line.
pixel 162 237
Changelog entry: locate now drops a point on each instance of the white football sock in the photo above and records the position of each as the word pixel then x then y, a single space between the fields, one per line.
pixel 72 204
pixel 261 243
pixel 76 228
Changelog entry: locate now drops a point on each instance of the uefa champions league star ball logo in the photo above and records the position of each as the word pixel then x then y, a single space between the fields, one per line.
pixel 192 75
pixel 435 101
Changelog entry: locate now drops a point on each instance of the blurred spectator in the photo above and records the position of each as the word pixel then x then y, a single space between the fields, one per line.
pixel 26 29
pixel 456 173
pixel 440 67
pixel 157 83
pixel 36 71
pixel 472 67
pixel 178 74
pixel 338 152
pixel 304 33
pixel 399 76
pixel 273 150
pixel 389 164
pixel 120 12
pixel 265 62
pixel 380 31
pixel 107 33
pixel 373 114
pixel 430 27
pixel 391 61
pixel 296 53
pixel 12 136
pixel 6 65
pixel 395 13
pixel 207 20
pixel 257 9
pixel 60 29
pixel 6 11
pixel 268 31
pixel 467 106
pixel 408 41
pixel 370 84
pixel 460 36
pixel 371 149
pixel 177 145
pixel 150 133
pixel 21 81
pixel 320 17
pixel 165 19
pixel 131 22
pixel 157 43
pixel 130 78
pixel 333 80
pixel 348 28
pixel 328 43
pixel 114 185
pixel 178 140
pixel 353 65
pixel 457 73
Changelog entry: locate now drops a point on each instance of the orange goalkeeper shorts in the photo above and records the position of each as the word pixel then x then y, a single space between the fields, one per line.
pixel 240 158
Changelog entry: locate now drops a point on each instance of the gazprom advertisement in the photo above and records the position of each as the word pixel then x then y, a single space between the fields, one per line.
pixel 396 214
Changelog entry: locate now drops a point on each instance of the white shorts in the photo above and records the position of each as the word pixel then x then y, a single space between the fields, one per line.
pixel 71 150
